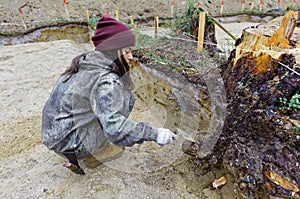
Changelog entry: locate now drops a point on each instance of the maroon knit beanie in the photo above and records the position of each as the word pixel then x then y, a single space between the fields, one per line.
pixel 111 34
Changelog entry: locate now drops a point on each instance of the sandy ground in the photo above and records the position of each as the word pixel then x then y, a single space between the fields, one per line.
pixel 44 10
pixel 29 170
pixel 41 12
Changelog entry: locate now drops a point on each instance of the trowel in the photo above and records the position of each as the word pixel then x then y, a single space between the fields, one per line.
pixel 185 135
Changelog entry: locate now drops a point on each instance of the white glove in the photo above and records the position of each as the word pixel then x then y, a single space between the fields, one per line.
pixel 164 136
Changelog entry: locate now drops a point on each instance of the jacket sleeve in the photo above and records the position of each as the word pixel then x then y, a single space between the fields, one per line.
pixel 108 103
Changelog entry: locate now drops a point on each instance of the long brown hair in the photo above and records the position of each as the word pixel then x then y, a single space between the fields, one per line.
pixel 119 66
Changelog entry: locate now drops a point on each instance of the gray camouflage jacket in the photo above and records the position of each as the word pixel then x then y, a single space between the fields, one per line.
pixel 90 109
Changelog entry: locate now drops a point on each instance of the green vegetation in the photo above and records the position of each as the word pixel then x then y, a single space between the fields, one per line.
pixel 179 49
pixel 293 104
pixel 294 128
pixel 283 102
pixel 92 22
pixel 190 19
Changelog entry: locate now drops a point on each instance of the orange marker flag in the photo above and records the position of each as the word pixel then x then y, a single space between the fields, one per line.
pixel 20 11
pixel 260 5
pixel 172 8
pixel 222 7
pixel 66 9
pixel 22 16
pixel 243 4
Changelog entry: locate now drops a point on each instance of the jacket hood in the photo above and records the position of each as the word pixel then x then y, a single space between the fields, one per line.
pixel 95 60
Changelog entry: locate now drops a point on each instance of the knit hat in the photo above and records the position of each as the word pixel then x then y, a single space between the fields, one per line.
pixel 111 34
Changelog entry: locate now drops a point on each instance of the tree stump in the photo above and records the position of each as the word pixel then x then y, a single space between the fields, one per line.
pixel 260 142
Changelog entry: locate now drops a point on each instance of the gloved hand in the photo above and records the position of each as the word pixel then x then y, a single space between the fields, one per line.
pixel 165 136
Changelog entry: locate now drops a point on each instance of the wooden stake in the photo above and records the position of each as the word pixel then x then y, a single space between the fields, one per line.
pixel 222 7
pixel 285 6
pixel 252 5
pixel 22 16
pixel 132 21
pixel 88 20
pixel 66 9
pixel 172 9
pixel 117 15
pixel 88 16
pixel 243 5
pixel 201 30
pixel 156 26
pixel 260 5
